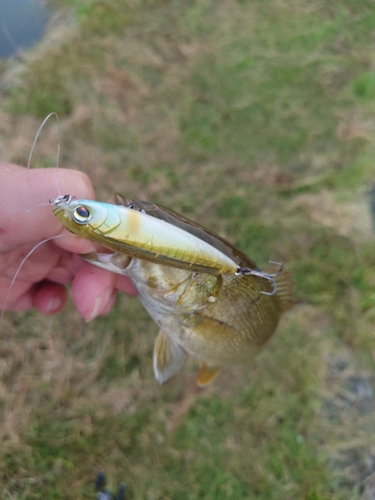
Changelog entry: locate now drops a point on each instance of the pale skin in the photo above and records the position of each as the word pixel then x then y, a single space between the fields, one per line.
pixel 41 282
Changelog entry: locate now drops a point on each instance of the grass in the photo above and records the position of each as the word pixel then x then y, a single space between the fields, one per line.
pixel 255 118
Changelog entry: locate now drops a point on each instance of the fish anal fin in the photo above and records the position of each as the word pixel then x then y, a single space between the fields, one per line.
pixel 169 356
pixel 207 374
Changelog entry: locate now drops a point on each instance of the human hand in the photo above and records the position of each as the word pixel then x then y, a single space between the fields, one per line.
pixel 41 280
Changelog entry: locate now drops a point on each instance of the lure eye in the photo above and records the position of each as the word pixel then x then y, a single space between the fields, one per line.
pixel 81 215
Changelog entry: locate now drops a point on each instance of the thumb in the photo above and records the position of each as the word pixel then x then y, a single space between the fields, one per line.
pixel 22 221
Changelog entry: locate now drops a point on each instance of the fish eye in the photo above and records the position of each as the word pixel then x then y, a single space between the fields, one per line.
pixel 81 214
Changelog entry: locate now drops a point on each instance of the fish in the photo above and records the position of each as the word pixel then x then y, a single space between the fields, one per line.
pixel 209 299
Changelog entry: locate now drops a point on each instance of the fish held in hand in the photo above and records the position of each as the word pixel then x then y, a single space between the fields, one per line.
pixel 209 299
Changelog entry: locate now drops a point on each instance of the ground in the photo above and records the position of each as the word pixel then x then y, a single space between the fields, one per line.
pixel 255 119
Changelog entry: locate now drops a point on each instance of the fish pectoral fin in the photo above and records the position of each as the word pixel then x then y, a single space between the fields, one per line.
pixel 207 374
pixel 169 356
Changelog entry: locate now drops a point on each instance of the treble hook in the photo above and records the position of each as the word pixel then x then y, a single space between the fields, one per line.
pixel 262 274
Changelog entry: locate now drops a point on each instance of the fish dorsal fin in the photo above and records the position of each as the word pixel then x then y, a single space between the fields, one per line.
pixel 285 286
pixel 178 220
pixel 206 374
pixel 168 357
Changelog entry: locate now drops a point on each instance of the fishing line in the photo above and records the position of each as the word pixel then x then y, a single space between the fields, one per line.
pixel 47 204
pixel 19 269
pixel 39 205
pixel 57 153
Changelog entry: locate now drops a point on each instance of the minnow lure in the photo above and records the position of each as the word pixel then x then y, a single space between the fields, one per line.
pixel 209 299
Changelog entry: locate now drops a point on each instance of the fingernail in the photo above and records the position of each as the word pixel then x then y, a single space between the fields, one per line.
pixel 54 305
pixel 99 304
pixel 110 303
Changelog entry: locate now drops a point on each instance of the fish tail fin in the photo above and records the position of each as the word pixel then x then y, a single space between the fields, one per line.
pixel 285 287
